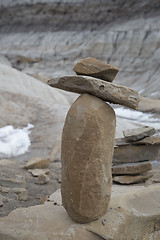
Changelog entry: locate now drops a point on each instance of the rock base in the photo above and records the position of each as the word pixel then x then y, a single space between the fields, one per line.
pixel 134 213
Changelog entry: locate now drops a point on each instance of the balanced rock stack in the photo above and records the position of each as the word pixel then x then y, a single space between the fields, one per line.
pixel 88 137
pixel 133 153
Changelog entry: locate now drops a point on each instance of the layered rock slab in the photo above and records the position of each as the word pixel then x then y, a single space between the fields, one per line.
pixel 96 68
pixel 87 150
pixel 136 153
pixel 138 133
pixel 130 216
pixel 131 168
pixel 130 179
pixel 106 91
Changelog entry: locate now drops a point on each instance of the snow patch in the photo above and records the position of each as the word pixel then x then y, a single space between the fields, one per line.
pixel 147 119
pixel 14 142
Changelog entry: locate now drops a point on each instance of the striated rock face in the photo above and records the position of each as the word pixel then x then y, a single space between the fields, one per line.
pixel 87 150
pixel 43 36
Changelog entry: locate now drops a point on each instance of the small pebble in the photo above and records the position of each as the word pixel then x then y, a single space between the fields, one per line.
pixel 42 179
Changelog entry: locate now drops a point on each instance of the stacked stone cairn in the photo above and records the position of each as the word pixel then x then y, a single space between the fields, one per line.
pixel 88 137
pixel 133 155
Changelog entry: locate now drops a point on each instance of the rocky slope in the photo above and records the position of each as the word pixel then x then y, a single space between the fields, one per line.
pixel 46 38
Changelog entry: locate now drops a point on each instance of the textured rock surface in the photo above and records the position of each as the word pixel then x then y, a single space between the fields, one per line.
pixel 122 154
pixel 96 68
pixel 107 91
pixel 38 162
pixel 128 179
pixel 131 168
pixel 42 179
pixel 1 201
pixel 150 140
pixel 138 133
pixel 87 150
pixel 129 213
pixel 37 172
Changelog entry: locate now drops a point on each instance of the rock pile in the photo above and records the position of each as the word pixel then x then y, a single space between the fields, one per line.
pixel 38 167
pixel 133 153
pixel 88 138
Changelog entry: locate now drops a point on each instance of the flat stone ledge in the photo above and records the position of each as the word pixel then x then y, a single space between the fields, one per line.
pixel 109 92
pixel 135 209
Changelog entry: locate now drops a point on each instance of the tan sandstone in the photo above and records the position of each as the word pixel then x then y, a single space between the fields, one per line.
pixel 38 162
pixel 138 133
pixel 131 168
pixel 96 68
pixel 106 91
pixel 87 150
pixel 134 213
pixel 129 179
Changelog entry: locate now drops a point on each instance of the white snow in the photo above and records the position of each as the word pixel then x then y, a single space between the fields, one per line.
pixel 138 117
pixel 14 142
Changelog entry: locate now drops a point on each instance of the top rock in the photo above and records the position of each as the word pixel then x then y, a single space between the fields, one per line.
pixel 96 68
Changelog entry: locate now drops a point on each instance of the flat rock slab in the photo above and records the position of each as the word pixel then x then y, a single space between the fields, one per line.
pixel 37 172
pixel 150 140
pixel 135 209
pixel 136 153
pixel 131 168
pixel 106 91
pixel 138 133
pixel 128 179
pixel 96 68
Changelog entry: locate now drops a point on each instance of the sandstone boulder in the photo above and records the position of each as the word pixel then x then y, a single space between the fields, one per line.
pixel 107 91
pixel 87 150
pixel 96 68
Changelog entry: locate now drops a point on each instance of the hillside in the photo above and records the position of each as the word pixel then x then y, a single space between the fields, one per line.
pixel 46 38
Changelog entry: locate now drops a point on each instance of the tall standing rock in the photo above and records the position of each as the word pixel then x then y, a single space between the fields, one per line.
pixel 87 150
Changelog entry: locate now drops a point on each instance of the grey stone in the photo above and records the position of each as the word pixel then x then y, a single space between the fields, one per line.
pixel 131 168
pixel 87 150
pixel 150 140
pixel 37 172
pixel 13 183
pixel 22 193
pixel 96 68
pixel 1 201
pixel 42 179
pixel 128 179
pixel 138 133
pixel 136 153
pixel 107 91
